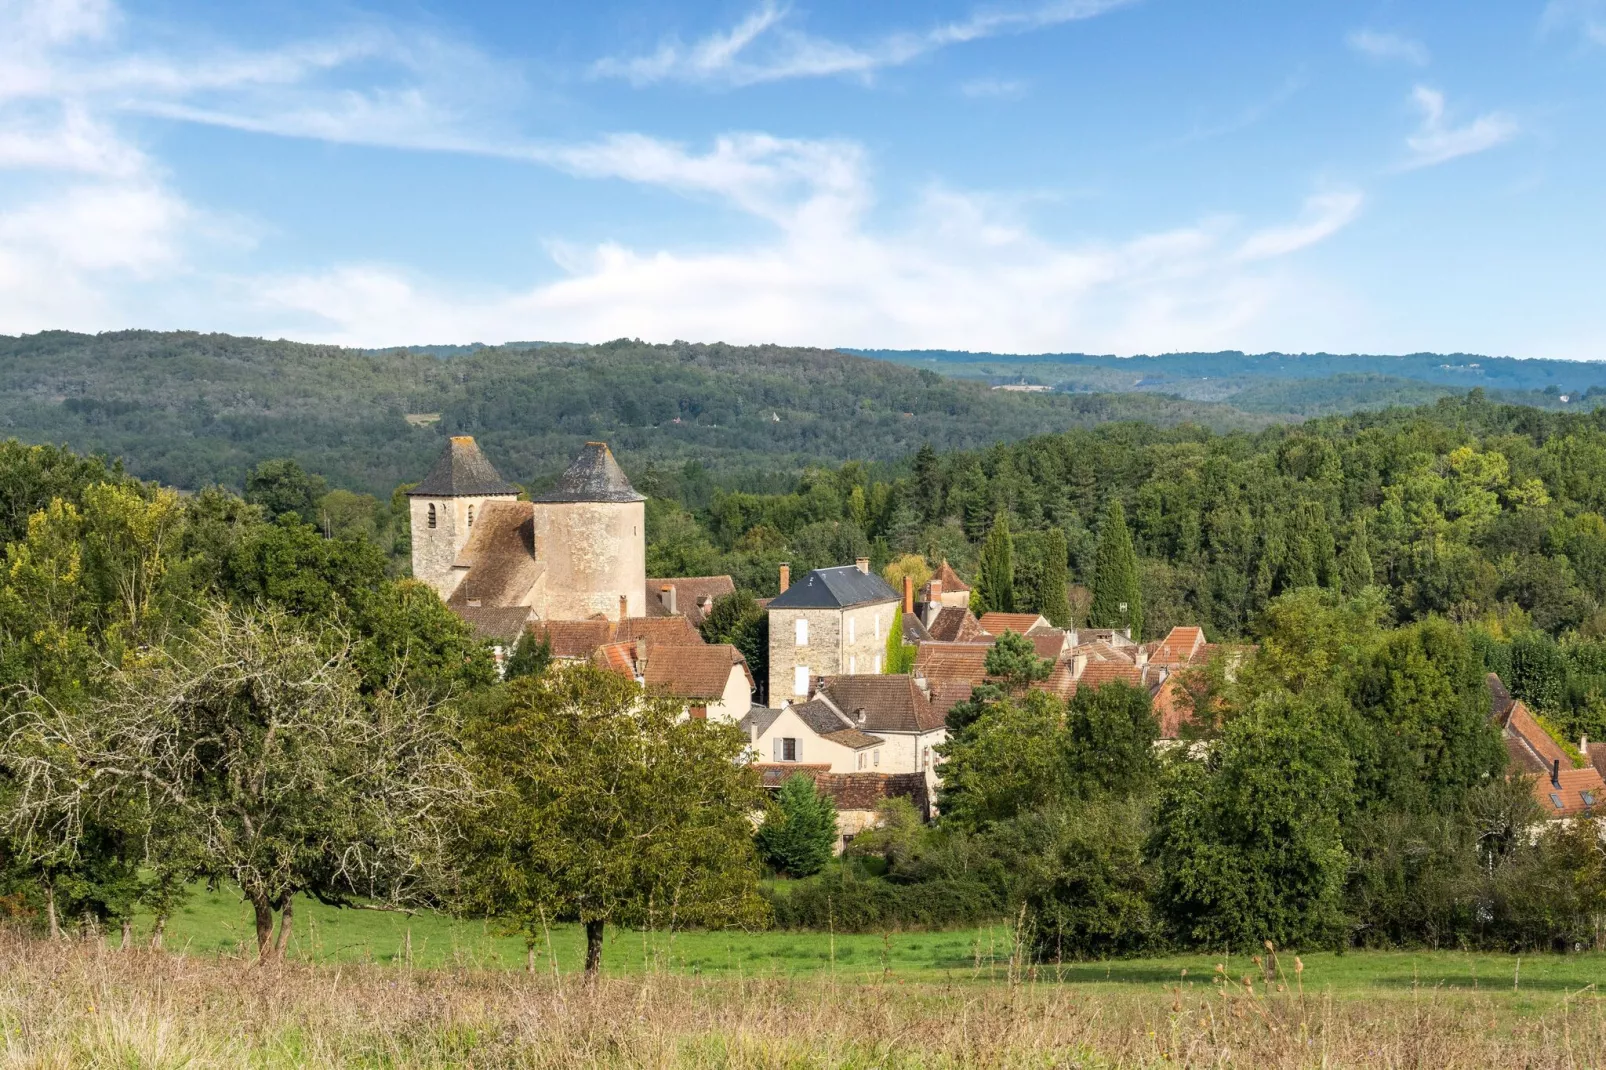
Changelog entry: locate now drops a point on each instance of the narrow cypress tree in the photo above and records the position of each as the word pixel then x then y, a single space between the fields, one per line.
pixel 928 483
pixel 1115 576
pixel 995 582
pixel 1054 579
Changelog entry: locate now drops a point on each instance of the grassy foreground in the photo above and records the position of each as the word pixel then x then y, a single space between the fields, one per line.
pixel 84 1005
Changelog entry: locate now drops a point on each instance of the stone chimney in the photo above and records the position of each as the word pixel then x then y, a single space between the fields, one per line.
pixel 624 606
pixel 908 595
pixel 863 564
pixel 641 657
pixel 666 595
pixel 786 576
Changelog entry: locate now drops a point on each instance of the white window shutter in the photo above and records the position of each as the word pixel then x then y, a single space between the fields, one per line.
pixel 800 680
pixel 776 743
pixel 802 631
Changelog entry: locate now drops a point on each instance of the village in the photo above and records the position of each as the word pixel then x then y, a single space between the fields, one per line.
pixel 568 567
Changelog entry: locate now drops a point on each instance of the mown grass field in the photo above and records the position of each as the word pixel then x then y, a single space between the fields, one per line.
pixel 217 924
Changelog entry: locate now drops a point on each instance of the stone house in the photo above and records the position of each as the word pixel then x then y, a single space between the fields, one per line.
pixel 1561 789
pixel 857 795
pixel 833 621
pixel 712 679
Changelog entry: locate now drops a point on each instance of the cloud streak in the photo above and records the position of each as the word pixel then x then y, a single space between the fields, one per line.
pixel 1436 141
pixel 1388 47
pixel 763 47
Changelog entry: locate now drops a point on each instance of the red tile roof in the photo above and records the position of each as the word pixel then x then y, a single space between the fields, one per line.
pixel 890 703
pixel 694 671
pixel 851 791
pixel 1099 673
pixel 952 663
pixel 694 595
pixel 1572 792
pixel 956 624
pixel 579 639
pixel 949 579
pixel 1179 647
pixel 999 623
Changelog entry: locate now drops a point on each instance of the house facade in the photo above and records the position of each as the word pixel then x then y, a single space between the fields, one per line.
pixel 832 621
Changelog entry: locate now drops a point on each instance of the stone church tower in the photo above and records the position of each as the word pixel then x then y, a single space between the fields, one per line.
pixel 444 507
pixel 590 534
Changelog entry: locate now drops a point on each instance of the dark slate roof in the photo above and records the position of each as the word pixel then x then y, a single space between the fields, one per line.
pixel 593 477
pixel 835 588
pixel 461 472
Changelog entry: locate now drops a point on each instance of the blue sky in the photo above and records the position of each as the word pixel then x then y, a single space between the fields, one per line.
pixel 1085 175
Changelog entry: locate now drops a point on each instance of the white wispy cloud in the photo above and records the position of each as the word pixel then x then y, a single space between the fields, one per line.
pixel 1587 17
pixel 104 239
pixel 1435 141
pixel 1388 47
pixel 763 47
pixel 993 88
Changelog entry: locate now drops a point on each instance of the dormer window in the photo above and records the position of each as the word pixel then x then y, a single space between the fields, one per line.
pixel 431 514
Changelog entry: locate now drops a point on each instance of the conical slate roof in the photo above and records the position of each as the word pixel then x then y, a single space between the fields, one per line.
pixel 593 477
pixel 462 472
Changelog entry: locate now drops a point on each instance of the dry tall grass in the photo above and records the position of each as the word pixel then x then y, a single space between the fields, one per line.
pixel 81 1006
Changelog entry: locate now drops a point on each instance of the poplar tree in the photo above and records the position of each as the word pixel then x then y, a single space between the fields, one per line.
pixel 995 581
pixel 1355 564
pixel 1054 579
pixel 1117 602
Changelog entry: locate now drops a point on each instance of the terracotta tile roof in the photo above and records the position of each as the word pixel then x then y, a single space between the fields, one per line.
pixel 499 557
pixel 890 703
pixel 944 696
pixel 955 624
pixel 694 595
pixel 1520 725
pixel 694 671
pixel 1049 642
pixel 579 639
pixel 949 579
pixel 851 791
pixel 1171 712
pixel 853 738
pixel 952 663
pixel 1098 673
pixel 1571 792
pixel 1179 647
pixel 828 722
pixel 1597 758
pixel 999 623
pixel 576 639
pixel 617 657
pixel 495 624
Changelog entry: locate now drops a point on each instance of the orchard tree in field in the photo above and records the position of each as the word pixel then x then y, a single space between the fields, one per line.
pixel 1117 600
pixel 248 751
pixel 798 836
pixel 603 804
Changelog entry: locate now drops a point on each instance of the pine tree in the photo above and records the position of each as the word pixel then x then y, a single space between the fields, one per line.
pixel 1117 602
pixel 798 836
pixel 995 581
pixel 928 483
pixel 1054 579
pixel 1355 565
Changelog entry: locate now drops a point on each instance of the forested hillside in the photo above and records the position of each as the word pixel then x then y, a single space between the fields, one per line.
pixel 1302 384
pixel 189 409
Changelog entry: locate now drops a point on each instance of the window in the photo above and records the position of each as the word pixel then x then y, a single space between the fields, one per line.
pixel 878 756
pixel 786 749
pixel 1588 797
pixel 431 514
pixel 800 680
pixel 802 631
pixel 1556 799
pixel 471 516
pixel 851 623
pixel 861 759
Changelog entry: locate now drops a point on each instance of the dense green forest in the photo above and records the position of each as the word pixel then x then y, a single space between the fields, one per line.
pixel 1303 384
pixel 189 409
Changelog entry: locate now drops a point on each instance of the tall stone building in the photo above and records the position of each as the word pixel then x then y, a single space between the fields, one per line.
pixel 833 621
pixel 574 553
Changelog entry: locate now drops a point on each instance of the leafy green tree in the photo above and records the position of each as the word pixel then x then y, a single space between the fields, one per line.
pixel 530 656
pixel 1117 599
pixel 602 804
pixel 1355 564
pixel 1087 890
pixel 1010 760
pixel 1110 733
pixel 799 832
pixel 1013 662
pixel 995 575
pixel 739 620
pixel 1252 849
pixel 1054 579
pixel 250 750
pixel 282 487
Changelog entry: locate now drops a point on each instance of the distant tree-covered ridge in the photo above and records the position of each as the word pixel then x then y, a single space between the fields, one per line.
pixel 192 409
